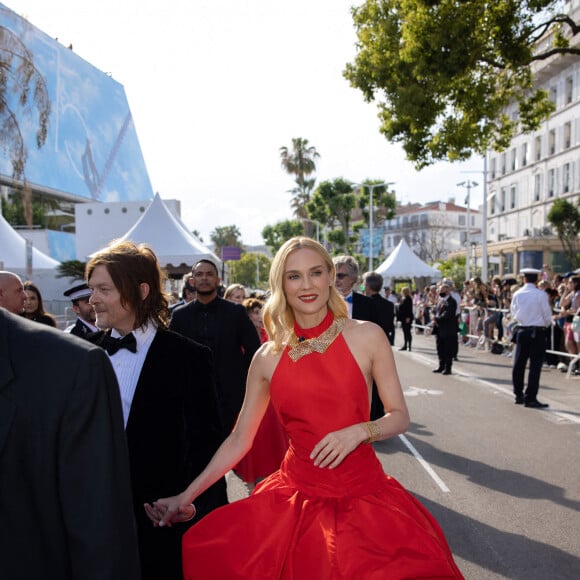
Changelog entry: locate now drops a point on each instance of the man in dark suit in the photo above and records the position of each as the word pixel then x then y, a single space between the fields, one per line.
pixel 445 329
pixel 384 309
pixel 85 323
pixel 167 392
pixel 227 330
pixel 65 495
pixel 360 307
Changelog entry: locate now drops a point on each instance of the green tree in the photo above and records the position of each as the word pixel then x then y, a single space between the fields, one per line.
pixel 23 96
pixel 226 236
pixel 300 161
pixel 74 269
pixel 565 217
pixel 277 234
pixel 252 270
pixel 331 205
pixel 443 72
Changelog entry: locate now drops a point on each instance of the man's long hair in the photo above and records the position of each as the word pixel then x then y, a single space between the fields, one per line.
pixel 130 265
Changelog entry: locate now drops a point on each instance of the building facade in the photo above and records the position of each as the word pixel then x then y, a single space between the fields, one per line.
pixel 524 181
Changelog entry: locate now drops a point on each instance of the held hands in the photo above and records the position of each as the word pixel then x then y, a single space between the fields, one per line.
pixel 170 510
pixel 334 447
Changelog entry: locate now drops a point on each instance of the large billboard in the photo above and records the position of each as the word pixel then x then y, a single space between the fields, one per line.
pixel 91 150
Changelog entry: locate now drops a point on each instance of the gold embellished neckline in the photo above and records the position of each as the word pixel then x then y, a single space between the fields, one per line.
pixel 298 349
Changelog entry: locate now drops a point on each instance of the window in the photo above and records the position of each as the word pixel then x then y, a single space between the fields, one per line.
pixel 567 135
pixel 502 199
pixel 554 95
pixel 461 220
pixel 493 168
pixel 551 182
pixel 566 178
pixel 513 197
pixel 569 90
pixel 538 147
pixel 492 204
pixel 514 159
pixel 524 154
pixel 537 187
pixel 552 141
pixel 503 163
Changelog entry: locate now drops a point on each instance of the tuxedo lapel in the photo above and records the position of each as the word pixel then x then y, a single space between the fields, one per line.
pixel 149 373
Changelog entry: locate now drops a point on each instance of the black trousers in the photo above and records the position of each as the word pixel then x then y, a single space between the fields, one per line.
pixel 446 350
pixel 530 345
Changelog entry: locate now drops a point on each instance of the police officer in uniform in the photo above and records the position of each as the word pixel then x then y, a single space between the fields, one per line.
pixel 85 323
pixel 531 308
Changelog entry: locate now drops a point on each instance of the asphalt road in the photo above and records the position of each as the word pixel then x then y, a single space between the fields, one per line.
pixel 502 480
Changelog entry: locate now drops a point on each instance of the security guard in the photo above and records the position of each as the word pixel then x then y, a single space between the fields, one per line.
pixel 531 308
pixel 85 323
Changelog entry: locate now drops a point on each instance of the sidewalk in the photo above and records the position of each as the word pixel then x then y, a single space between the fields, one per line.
pixel 555 387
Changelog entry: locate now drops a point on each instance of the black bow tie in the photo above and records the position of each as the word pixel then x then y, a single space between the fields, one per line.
pixel 112 345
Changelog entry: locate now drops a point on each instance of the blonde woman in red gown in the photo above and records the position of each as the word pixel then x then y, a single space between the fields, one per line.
pixel 330 511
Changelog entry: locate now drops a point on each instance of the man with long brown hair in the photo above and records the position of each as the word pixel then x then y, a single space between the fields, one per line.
pixel 167 391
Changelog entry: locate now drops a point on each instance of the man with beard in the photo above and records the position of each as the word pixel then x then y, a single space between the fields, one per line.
pixel 85 323
pixel 167 392
pixel 227 330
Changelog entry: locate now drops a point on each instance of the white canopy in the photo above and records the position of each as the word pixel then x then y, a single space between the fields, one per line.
pixel 168 237
pixel 13 251
pixel 404 263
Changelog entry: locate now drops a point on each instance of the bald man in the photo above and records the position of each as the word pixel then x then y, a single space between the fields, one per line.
pixel 12 294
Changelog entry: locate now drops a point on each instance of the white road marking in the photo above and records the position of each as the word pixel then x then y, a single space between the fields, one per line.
pixel 424 464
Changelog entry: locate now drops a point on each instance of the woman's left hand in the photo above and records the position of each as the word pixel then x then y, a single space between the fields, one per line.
pixel 334 447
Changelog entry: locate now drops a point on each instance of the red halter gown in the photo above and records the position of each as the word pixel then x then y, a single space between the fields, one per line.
pixel 308 523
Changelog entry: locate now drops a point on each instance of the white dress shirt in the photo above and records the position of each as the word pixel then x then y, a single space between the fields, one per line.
pixel 127 365
pixel 530 306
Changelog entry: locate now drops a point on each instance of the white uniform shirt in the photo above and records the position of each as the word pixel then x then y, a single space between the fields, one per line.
pixel 127 365
pixel 530 306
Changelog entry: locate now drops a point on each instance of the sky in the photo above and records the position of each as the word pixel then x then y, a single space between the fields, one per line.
pixel 216 87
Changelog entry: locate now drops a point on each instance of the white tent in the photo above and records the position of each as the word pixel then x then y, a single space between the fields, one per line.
pixel 403 263
pixel 13 257
pixel 168 237
pixel 13 251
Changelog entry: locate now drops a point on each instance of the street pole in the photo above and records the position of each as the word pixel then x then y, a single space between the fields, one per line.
pixel 468 185
pixel 371 187
pixel 484 219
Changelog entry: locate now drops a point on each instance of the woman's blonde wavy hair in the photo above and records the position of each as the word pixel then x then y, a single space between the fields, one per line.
pixel 277 314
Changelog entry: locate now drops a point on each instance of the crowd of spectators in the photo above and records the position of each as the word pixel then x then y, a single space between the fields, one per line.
pixel 485 322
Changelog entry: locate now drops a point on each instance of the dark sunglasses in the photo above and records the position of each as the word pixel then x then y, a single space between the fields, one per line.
pixel 342 276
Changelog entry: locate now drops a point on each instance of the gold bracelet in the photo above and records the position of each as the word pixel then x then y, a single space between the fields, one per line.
pixel 374 432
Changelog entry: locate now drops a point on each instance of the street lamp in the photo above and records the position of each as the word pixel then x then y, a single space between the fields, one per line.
pixel 371 187
pixel 468 185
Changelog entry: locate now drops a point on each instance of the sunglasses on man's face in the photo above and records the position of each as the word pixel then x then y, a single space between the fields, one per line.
pixel 342 276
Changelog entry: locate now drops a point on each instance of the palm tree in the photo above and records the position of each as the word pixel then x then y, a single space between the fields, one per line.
pixel 300 161
pixel 22 88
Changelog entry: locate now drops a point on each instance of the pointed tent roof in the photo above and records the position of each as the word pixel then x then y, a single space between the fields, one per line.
pixel 404 263
pixel 168 237
pixel 13 251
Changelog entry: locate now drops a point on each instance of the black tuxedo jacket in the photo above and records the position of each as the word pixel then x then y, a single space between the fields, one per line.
pixel 173 430
pixel 65 496
pixel 384 313
pixel 226 328
pixel 362 307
